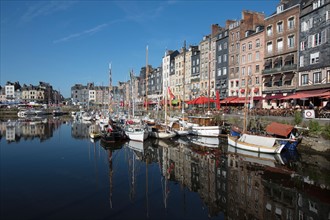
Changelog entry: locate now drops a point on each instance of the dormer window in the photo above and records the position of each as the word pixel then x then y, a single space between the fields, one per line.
pixel 318 3
pixel 279 9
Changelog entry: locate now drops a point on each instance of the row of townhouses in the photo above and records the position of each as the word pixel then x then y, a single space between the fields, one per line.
pixel 266 58
pixel 43 93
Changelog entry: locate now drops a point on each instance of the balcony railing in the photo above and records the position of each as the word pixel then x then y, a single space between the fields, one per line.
pixel 280 69
pixel 273 70
pixel 289 67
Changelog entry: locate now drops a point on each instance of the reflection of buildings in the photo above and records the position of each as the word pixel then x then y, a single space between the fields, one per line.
pixel 29 129
pixel 260 191
pixel 294 197
pixel 245 192
pixel 81 130
pixel 202 170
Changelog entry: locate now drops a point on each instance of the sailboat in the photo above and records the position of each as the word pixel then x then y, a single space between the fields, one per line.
pixel 135 131
pixel 275 141
pixel 179 125
pixel 159 130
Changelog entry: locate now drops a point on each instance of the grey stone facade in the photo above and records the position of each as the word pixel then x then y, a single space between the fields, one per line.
pixel 221 75
pixel 314 52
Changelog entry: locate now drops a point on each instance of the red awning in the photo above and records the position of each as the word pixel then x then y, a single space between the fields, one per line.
pixel 308 94
pixel 239 100
pixel 228 99
pixel 257 98
pixel 200 100
pixel 276 96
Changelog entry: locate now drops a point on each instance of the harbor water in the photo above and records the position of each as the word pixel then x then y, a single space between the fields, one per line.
pixel 51 169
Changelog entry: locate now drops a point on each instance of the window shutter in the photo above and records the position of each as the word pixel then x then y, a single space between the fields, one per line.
pixel 323 36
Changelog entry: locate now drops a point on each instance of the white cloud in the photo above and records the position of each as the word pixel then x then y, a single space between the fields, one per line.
pixel 43 8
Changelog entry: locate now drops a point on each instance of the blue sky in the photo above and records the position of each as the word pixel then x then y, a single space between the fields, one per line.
pixel 69 42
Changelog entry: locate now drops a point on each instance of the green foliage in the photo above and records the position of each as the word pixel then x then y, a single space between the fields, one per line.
pixel 326 132
pixel 297 117
pixel 314 126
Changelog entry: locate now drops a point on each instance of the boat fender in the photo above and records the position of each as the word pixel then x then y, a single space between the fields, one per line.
pixel 181 129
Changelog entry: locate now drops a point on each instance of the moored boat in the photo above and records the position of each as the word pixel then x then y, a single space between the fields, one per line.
pixel 136 133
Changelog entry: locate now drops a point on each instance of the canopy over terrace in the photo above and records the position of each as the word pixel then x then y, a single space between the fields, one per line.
pixel 200 100
pixel 241 100
pixel 309 94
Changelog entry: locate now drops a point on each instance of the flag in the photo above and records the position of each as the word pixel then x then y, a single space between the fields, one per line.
pixel 170 93
pixel 218 100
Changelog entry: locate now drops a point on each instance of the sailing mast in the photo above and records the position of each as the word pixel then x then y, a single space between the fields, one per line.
pixel 245 104
pixel 147 70
pixel 184 78
pixel 110 88
pixel 132 92
pixel 209 75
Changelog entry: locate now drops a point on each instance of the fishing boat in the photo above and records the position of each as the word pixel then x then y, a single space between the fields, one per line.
pixel 113 133
pixel 136 133
pixel 273 140
pixel 205 126
pixel 135 129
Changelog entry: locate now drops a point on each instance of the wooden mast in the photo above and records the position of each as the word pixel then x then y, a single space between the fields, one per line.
pixel 110 88
pixel 184 78
pixel 147 70
pixel 245 104
pixel 209 75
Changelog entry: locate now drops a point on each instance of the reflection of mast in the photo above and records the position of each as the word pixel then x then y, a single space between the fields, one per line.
pixel 110 175
pixel 147 201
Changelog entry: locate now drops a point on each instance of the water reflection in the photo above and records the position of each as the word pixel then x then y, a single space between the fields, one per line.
pixel 186 178
pixel 41 128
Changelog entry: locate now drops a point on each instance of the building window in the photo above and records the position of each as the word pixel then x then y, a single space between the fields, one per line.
pixel 327 15
pixel 219 71
pixel 243 47
pixel 280 27
pixel 301 61
pixel 224 70
pixel 269 47
pixel 225 58
pixel 303 45
pixel 291 23
pixel 257 55
pixel 291 41
pixel 257 43
pixel 304 79
pixel 243 59
pixel 249 70
pixel 269 30
pixel 219 59
pixel 279 9
pixel 249 57
pixel 225 46
pixel 317 77
pixel 279 45
pixel 243 71
pixel 314 57
pixel 220 47
pixel 318 3
pixel 257 80
pixel 250 45
pixel 257 68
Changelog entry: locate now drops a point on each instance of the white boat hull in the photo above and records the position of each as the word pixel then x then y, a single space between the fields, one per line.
pixel 244 143
pixel 137 135
pixel 162 134
pixel 207 131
